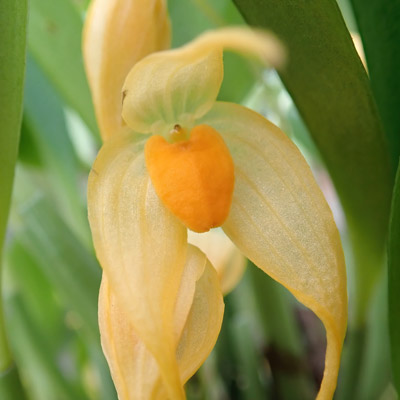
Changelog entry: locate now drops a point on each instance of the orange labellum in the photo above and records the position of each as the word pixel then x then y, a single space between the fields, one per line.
pixel 194 178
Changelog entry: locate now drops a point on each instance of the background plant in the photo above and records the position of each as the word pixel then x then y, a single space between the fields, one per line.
pixel 344 121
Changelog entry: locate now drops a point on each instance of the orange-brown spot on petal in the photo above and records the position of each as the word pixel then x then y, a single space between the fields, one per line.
pixel 194 178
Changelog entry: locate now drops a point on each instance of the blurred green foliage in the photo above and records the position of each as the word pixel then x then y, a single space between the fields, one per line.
pixel 270 346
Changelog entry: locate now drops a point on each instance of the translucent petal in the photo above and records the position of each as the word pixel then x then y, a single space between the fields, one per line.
pixel 280 220
pixel 141 247
pixel 178 86
pixel 135 372
pixel 203 323
pixel 117 34
pixel 223 255
pixel 133 369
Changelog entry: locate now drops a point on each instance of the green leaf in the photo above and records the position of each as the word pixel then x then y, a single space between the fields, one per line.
pixel 12 69
pixel 57 314
pixel 378 22
pixel 330 88
pixel 191 18
pixel 13 17
pixel 40 336
pixel 44 378
pixel 45 118
pixel 45 127
pixel 55 351
pixel 25 278
pixel 71 269
pixel 80 5
pixel 55 42
pixel 394 282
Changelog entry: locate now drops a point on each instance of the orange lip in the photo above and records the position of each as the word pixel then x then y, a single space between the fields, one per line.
pixel 194 178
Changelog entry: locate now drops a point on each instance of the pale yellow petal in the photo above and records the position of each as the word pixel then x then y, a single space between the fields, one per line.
pixel 117 34
pixel 195 265
pixel 141 247
pixel 280 220
pixel 203 323
pixel 178 86
pixel 134 370
pixel 223 255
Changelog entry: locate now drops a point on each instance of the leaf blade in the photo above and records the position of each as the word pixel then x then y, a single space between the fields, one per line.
pixel 13 18
pixel 55 43
pixel 378 24
pixel 394 283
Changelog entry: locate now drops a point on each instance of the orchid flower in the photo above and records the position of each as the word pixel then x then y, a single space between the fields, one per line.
pixel 175 159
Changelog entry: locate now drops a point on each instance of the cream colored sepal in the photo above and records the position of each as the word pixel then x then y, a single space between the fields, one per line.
pixel 141 247
pixel 134 370
pixel 179 86
pixel 117 34
pixel 281 221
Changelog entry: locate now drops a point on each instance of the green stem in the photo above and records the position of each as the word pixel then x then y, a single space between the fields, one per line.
pixel 351 363
pixel 247 357
pixel 366 359
pixel 367 272
pixel 375 368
